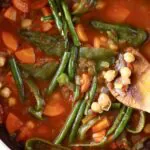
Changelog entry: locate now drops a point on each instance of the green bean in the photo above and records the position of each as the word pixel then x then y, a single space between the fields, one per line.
pixel 56 12
pixel 117 121
pixel 47 18
pixel 77 122
pixel 76 93
pixel 115 105
pixel 140 125
pixel 85 127
pixel 117 132
pixel 68 124
pixel 91 94
pixel 60 70
pixel 70 24
pixel 17 77
pixel 72 63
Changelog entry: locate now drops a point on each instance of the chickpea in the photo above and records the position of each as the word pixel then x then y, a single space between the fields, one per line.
pixel 26 23
pixel 118 85
pixel 110 75
pixel 126 81
pixel 104 101
pixel 85 82
pixel 11 101
pixel 129 57
pixel 2 61
pixel 125 72
pixel 5 92
pixel 95 107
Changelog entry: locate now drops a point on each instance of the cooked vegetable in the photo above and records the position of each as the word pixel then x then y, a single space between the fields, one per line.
pixel 117 120
pixel 51 45
pixel 60 70
pixel 76 93
pixel 68 124
pixel 63 79
pixel 17 77
pixel 44 72
pixel 125 33
pixel 91 94
pixel 115 105
pixel 70 24
pixel 73 63
pixel 83 6
pixel 140 126
pixel 39 144
pixel 37 110
pixel 85 127
pixel 47 18
pixel 55 12
pixel 77 122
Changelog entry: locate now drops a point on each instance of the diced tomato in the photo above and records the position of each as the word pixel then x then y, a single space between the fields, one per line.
pixel 11 14
pixel 26 55
pixel 38 4
pixel 10 41
pixel 13 123
pixel 22 5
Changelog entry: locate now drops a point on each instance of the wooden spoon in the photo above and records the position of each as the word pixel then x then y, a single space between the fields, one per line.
pixel 138 93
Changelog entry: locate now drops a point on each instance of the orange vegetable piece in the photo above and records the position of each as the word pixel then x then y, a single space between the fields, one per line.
pixel 26 55
pixel 101 125
pixel 10 41
pixel 97 137
pixel 11 14
pixel 54 108
pixel 39 4
pixel 22 5
pixel 13 123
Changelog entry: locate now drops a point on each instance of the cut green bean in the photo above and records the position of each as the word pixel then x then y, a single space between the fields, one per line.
pixel 47 18
pixel 17 77
pixel 68 124
pixel 91 95
pixel 140 124
pixel 117 121
pixel 115 105
pixel 60 70
pixel 70 23
pixel 73 63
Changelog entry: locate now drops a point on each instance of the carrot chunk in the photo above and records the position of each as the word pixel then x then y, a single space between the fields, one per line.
pixel 54 108
pixel 11 14
pixel 26 56
pixel 38 4
pixel 22 5
pixel 101 125
pixel 10 41
pixel 13 123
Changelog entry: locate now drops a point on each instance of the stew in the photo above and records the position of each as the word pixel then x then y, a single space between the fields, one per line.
pixel 75 74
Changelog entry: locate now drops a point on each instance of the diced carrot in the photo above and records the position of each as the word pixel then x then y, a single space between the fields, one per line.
pixel 22 5
pixel 46 11
pixel 101 125
pixel 13 123
pixel 38 4
pixel 46 26
pixel 118 13
pixel 26 55
pixel 11 14
pixel 10 41
pixel 99 134
pixel 54 108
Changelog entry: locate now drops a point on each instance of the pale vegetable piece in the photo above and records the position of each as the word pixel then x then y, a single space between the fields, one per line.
pixel 126 81
pixel 46 26
pixel 11 14
pixel 118 85
pixel 104 101
pixel 125 72
pixel 26 23
pixel 5 92
pixel 97 42
pixel 138 93
pixel 129 57
pixel 81 33
pixel 10 41
pixel 12 101
pixel 2 61
pixel 110 75
pixel 96 107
